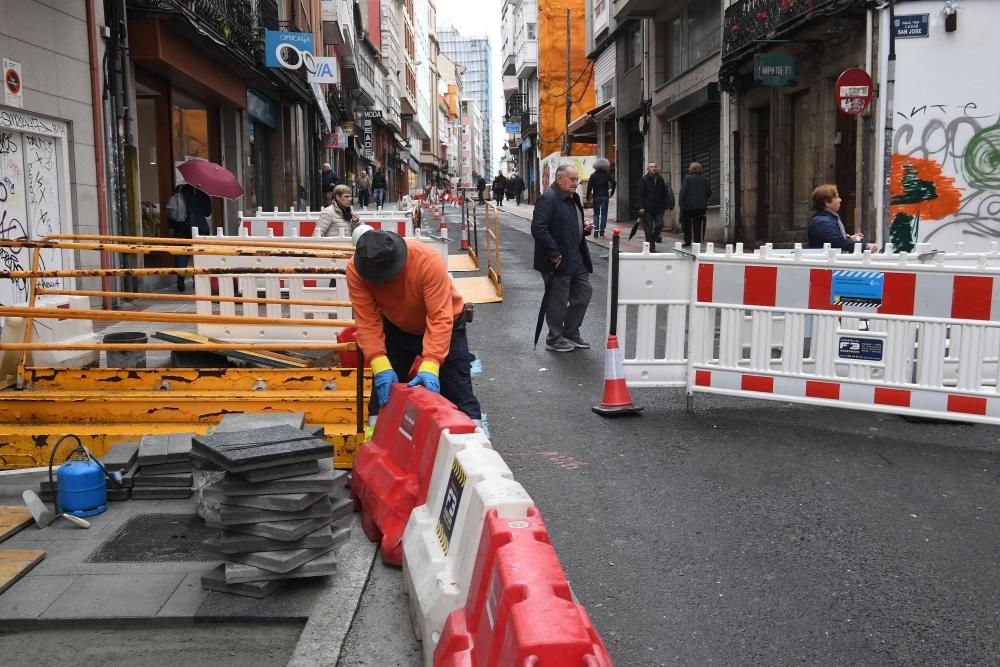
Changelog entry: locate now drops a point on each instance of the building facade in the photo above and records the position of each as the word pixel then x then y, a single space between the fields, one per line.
pixel 473 55
pixel 473 165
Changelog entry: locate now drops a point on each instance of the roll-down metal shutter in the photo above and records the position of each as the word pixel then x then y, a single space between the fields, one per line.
pixel 699 137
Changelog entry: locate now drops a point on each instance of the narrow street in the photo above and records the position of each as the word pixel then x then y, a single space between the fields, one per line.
pixel 744 533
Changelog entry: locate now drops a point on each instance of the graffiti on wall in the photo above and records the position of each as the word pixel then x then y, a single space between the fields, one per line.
pixel 946 174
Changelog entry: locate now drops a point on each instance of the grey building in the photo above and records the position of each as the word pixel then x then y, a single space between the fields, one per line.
pixel 473 54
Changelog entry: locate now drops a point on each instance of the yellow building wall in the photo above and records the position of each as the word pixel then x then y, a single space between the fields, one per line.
pixel 552 72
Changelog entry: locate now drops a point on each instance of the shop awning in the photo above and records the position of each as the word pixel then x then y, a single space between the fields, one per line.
pixel 400 141
pixel 584 128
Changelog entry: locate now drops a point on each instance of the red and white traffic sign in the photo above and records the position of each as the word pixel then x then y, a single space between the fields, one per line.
pixel 854 91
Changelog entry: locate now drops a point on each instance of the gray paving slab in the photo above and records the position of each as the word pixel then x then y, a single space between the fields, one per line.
pixel 32 595
pixel 179 447
pixel 199 462
pixel 215 580
pixel 233 514
pixel 294 601
pixel 186 600
pixel 121 456
pixel 161 492
pixel 340 508
pixel 284 502
pixel 288 531
pixel 179 467
pixel 246 421
pixel 326 479
pixel 280 471
pixel 228 542
pixel 261 448
pixel 278 561
pixel 114 596
pixel 173 481
pixel 153 449
pixel 322 566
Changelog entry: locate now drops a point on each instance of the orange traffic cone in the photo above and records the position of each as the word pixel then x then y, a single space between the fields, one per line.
pixel 616 399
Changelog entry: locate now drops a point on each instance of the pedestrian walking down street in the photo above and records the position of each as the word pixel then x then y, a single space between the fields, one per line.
pixel 655 197
pixel 600 189
pixel 481 189
pixel 378 188
pixel 330 181
pixel 825 225
pixel 197 209
pixel 337 217
pixel 559 228
pixel 517 185
pixel 694 196
pixel 364 185
pixel 499 187
pixel 406 305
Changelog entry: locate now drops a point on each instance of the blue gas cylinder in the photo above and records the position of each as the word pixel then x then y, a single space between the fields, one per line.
pixel 82 487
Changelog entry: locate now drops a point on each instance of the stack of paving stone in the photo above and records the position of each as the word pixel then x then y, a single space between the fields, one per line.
pixel 122 458
pixel 274 507
pixel 164 467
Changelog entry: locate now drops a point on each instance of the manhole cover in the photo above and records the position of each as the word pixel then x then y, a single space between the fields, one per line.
pixel 157 538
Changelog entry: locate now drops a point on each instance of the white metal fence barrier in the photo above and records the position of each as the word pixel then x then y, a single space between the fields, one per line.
pixel 885 333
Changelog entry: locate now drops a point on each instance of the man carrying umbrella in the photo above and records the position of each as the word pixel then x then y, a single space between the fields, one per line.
pixel 559 228
pixel 406 306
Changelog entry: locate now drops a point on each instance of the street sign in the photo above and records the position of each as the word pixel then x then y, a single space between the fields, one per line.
pixel 513 128
pixel 326 71
pixel 13 85
pixel 775 69
pixel 854 91
pixel 911 25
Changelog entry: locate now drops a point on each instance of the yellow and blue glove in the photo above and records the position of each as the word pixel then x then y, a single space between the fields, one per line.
pixel 427 376
pixel 383 379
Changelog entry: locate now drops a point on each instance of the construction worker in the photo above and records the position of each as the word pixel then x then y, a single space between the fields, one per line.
pixel 406 306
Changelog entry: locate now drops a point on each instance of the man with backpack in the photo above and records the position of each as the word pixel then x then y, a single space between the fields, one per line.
pixel 187 208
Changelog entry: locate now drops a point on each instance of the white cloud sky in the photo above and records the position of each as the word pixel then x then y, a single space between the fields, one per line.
pixel 472 18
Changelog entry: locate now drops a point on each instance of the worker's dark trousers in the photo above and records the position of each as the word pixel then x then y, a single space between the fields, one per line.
pixel 456 379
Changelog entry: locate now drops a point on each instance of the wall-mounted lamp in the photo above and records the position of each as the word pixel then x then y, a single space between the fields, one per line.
pixel 950 11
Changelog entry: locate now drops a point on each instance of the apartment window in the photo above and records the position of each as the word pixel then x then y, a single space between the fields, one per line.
pixel 531 30
pixel 689 37
pixel 633 47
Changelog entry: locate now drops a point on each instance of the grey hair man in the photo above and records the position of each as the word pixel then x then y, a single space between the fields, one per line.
pixel 559 228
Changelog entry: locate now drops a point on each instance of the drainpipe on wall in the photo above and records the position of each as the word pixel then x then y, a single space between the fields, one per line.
pixel 890 89
pixel 96 105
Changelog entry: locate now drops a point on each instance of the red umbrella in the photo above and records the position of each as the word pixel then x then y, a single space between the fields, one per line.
pixel 211 179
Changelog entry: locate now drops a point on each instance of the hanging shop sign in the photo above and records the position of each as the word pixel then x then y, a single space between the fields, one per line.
pixel 775 69
pixel 13 85
pixel 326 71
pixel 368 151
pixel 854 91
pixel 261 108
pixel 289 50
pixel 369 114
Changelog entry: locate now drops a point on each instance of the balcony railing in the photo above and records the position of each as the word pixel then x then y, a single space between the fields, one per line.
pixel 751 20
pixel 236 22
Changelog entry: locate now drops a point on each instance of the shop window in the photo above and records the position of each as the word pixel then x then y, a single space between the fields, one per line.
pixel 190 127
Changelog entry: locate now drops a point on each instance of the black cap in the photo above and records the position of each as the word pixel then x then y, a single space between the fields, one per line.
pixel 379 256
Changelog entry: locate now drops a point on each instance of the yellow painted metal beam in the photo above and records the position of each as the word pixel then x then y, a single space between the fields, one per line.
pixel 248 242
pixel 151 316
pixel 187 249
pixel 153 296
pixel 176 271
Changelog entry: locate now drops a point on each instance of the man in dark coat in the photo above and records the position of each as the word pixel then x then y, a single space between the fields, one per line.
pixel 378 187
pixel 655 197
pixel 600 189
pixel 499 187
pixel 695 193
pixel 561 256
pixel 517 185
pixel 330 181
pixel 481 188
pixel 199 208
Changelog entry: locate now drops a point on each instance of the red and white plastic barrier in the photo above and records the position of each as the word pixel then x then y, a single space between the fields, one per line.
pixel 520 609
pixel 392 471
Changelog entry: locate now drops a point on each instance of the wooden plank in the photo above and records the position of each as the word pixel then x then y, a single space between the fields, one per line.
pixel 12 519
pixel 478 289
pixel 15 564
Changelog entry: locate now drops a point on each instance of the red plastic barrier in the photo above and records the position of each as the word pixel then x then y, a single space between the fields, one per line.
pixel 520 609
pixel 392 471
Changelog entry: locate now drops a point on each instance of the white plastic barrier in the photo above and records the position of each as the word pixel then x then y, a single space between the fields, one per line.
pixel 301 286
pixel 304 223
pixel 442 536
pixel 51 331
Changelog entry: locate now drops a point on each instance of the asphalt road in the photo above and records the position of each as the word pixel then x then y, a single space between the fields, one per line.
pixel 747 532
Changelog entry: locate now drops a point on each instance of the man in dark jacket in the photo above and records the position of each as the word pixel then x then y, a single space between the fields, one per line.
pixel 199 207
pixel 330 181
pixel 481 189
pixel 695 193
pixel 378 187
pixel 517 185
pixel 655 197
pixel 600 190
pixel 499 187
pixel 561 256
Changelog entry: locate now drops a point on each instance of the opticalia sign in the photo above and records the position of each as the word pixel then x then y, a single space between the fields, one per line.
pixel 289 50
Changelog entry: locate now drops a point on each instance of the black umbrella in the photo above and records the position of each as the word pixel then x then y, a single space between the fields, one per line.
pixel 543 307
pixel 635 228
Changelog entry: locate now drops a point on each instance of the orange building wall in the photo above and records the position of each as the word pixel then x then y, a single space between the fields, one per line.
pixel 552 72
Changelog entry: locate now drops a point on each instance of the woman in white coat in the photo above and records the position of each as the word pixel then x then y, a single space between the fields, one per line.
pixel 337 218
